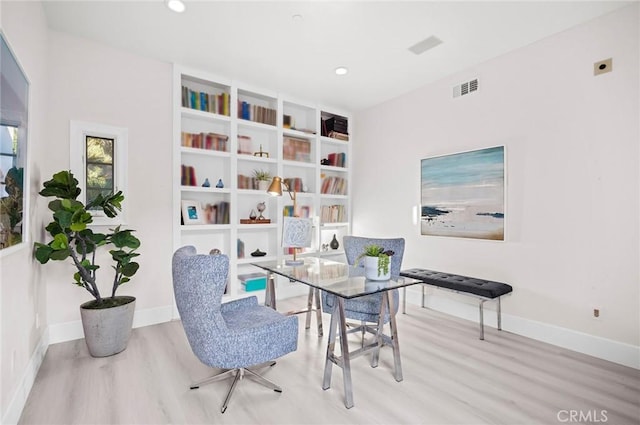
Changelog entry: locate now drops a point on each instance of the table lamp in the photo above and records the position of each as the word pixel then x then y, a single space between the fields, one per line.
pixel 296 231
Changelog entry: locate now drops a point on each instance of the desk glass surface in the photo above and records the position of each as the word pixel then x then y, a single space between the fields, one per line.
pixel 334 277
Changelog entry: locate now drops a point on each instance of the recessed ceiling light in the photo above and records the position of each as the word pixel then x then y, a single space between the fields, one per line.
pixel 341 70
pixel 176 5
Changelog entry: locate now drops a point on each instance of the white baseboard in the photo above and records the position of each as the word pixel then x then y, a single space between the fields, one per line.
pixel 602 348
pixel 69 331
pixel 19 399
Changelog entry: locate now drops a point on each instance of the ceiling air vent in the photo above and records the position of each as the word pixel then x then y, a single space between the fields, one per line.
pixel 465 88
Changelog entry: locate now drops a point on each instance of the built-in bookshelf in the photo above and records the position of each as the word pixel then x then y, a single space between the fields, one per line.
pixel 224 132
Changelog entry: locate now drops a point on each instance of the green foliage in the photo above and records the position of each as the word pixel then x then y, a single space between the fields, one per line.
pixel 11 207
pixel 382 254
pixel 71 238
pixel 262 175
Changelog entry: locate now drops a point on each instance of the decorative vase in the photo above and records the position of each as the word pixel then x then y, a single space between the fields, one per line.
pixel 371 269
pixel 263 185
pixel 334 244
pixel 107 330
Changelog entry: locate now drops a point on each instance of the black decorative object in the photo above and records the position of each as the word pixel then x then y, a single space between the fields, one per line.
pixel 258 253
pixel 334 244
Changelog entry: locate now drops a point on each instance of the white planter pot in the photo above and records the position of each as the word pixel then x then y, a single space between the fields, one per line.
pixel 371 269
pixel 107 330
pixel 263 185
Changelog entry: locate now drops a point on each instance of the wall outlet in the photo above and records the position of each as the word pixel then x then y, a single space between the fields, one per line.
pixel 603 66
pixel 596 312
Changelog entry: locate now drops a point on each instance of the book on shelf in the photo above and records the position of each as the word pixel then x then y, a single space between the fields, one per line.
pixel 304 211
pixel 188 175
pixel 217 213
pixel 208 141
pixel 333 214
pixel 337 159
pixel 339 136
pixel 294 184
pixel 245 146
pixel 256 113
pixel 253 281
pixel 334 124
pixel 295 149
pixel 217 103
pixel 333 185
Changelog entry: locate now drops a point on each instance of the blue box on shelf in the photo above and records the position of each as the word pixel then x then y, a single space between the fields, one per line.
pixel 253 281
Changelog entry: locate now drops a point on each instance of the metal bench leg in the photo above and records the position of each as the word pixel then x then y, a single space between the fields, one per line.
pixel 499 315
pixel 422 301
pixel 481 320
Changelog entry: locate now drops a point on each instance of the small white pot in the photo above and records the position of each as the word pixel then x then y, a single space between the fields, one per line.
pixel 263 185
pixel 371 269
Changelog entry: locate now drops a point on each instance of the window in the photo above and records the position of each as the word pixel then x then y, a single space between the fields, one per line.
pixel 99 163
pixel 14 99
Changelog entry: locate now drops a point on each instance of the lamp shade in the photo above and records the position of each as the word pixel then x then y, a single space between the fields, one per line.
pixel 275 188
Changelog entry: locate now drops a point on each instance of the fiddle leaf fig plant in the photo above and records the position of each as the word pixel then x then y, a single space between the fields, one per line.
pixel 377 251
pixel 72 238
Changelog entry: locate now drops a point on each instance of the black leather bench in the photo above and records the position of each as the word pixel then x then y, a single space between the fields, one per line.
pixel 483 290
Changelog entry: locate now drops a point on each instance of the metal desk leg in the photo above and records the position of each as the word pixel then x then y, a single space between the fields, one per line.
pixel 394 336
pixel 338 323
pixel 380 331
pixel 404 300
pixel 307 323
pixel 270 292
pixel 316 293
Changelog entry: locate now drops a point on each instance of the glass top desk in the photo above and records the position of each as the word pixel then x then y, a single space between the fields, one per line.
pixel 335 278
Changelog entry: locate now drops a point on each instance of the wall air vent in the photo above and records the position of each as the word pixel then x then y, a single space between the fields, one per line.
pixel 465 88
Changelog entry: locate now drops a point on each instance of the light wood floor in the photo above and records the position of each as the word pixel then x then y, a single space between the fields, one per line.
pixel 450 377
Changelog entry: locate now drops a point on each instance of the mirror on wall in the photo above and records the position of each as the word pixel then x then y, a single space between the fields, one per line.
pixel 14 96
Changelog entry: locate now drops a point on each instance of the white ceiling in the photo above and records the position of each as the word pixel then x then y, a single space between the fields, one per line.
pixel 260 44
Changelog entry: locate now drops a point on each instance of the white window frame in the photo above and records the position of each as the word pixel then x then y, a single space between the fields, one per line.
pixel 79 130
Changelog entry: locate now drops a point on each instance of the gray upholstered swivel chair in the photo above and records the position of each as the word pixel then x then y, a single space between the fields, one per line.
pixel 366 309
pixel 235 335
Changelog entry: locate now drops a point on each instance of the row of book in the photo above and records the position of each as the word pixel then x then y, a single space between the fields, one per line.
pixel 334 186
pixel 245 145
pixel 256 113
pixel 303 211
pixel 217 103
pixel 247 182
pixel 337 159
pixel 333 214
pixel 188 175
pixel 210 141
pixel 294 149
pixel 216 213
pixel 294 184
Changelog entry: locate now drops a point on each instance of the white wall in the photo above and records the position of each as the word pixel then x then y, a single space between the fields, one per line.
pixel 74 79
pixel 572 178
pixel 22 296
pixel 95 83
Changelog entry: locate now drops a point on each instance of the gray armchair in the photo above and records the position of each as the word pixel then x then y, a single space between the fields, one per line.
pixel 367 308
pixel 237 335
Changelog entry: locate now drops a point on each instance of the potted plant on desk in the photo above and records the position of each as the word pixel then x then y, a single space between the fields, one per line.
pixel 106 321
pixel 376 262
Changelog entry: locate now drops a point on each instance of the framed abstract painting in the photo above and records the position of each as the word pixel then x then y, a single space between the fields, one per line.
pixel 463 194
